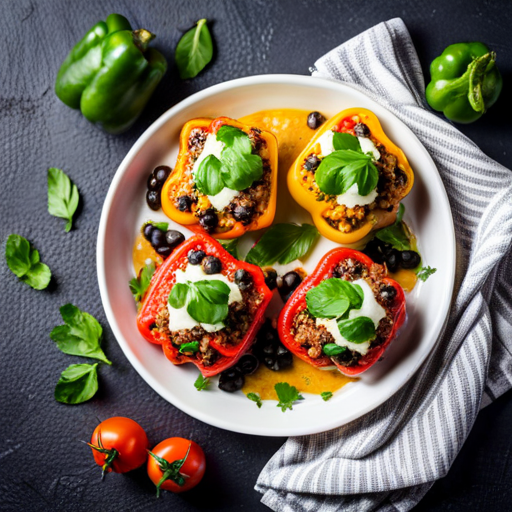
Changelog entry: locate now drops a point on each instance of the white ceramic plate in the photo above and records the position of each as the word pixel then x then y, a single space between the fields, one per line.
pixel 427 211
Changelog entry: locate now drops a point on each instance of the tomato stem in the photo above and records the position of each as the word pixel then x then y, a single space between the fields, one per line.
pixel 170 470
pixel 110 455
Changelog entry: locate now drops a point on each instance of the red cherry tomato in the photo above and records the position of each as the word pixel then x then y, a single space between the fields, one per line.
pixel 176 465
pixel 119 444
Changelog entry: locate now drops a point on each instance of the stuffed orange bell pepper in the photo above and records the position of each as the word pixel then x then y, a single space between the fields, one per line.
pixel 350 177
pixel 225 179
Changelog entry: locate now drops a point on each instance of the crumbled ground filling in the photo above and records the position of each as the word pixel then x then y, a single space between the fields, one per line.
pixel 248 205
pixel 313 337
pixel 390 188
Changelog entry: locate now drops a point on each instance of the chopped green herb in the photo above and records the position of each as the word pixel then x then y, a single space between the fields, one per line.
pixel 283 243
pixel 193 346
pixel 63 196
pixel 78 383
pixel 331 349
pixel 425 272
pixel 255 397
pixel 162 226
pixel 287 395
pixel 201 382
pixel 139 285
pixel 326 395
pixel 23 260
pixel 194 50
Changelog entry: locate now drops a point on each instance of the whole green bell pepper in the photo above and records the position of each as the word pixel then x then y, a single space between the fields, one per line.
pixel 111 74
pixel 465 82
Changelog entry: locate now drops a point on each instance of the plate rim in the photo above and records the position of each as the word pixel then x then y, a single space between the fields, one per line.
pixel 281 79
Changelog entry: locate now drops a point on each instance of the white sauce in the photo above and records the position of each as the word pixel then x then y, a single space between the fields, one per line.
pixel 370 308
pixel 179 317
pixel 214 147
pixel 326 143
pixel 352 198
pixel 367 146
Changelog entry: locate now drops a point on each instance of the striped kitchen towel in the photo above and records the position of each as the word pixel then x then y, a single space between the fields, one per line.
pixel 388 459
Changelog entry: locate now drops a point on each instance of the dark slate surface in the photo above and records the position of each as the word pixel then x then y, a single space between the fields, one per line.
pixel 43 465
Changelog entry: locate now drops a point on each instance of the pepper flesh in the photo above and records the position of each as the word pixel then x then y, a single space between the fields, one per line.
pixel 297 303
pixel 161 285
pixel 190 220
pixel 110 74
pixel 377 218
pixel 464 82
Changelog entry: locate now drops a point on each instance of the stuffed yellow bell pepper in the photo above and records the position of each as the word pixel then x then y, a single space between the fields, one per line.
pixel 225 179
pixel 350 177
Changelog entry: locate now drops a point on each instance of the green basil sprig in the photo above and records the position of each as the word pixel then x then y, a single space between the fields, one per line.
pixel 283 243
pixel 287 395
pixel 24 261
pixel 201 383
pixel 139 285
pixel 425 272
pixel 237 167
pixel 78 383
pixel 397 234
pixel 206 301
pixel 346 166
pixel 326 395
pixel 333 297
pixel 194 50
pixel 255 397
pixel 63 196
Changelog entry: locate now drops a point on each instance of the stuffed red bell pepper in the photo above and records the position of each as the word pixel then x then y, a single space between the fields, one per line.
pixel 204 306
pixel 346 312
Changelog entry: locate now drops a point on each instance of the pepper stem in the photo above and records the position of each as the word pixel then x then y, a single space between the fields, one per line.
pixel 477 70
pixel 142 38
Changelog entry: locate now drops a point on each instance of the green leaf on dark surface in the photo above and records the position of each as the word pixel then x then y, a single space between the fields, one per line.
pixel 81 336
pixel 139 285
pixel 326 395
pixel 357 330
pixel 231 246
pixel 425 272
pixel 201 382
pixel 78 383
pixel 283 243
pixel 287 395
pixel 255 397
pixel 194 50
pixel 63 196
pixel 345 141
pixel 193 346
pixel 23 261
pixel 333 298
pixel 331 349
pixel 397 234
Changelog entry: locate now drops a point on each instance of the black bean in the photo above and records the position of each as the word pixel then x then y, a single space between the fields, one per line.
pixel 211 265
pixel 400 177
pixel 361 130
pixel 195 257
pixel 270 278
pixel 153 183
pixel 209 220
pixel 158 238
pixel 243 214
pixel 164 250
pixel 315 119
pixel 393 260
pixel 288 284
pixel 409 259
pixel 387 292
pixel 147 230
pixel 243 279
pixel 247 364
pixel 312 162
pixel 161 173
pixel 184 203
pixel 153 199
pixel 231 380
pixel 174 238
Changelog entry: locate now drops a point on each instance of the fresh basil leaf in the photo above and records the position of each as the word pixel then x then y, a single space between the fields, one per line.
pixel 193 346
pixel 207 301
pixel 206 312
pixel 194 50
pixel 287 395
pixel 81 336
pixel 396 234
pixel 23 261
pixel 139 285
pixel 231 246
pixel 425 272
pixel 345 141
pixel 78 383
pixel 239 171
pixel 63 196
pixel 213 290
pixel 235 138
pixel 331 349
pixel 400 213
pixel 283 243
pixel 178 296
pixel 255 397
pixel 367 179
pixel 357 330
pixel 162 226
pixel 326 395
pixel 201 382
pixel 333 297
pixel 208 177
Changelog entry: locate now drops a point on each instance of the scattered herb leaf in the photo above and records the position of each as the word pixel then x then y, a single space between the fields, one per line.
pixel 231 246
pixel 63 196
pixel 331 349
pixel 162 226
pixel 342 141
pixel 23 261
pixel 397 234
pixel 201 382
pixel 81 336
pixel 287 395
pixel 326 395
pixel 193 346
pixel 139 285
pixel 255 397
pixel 194 50
pixel 425 272
pixel 78 383
pixel 283 243
pixel 357 330
pixel 333 298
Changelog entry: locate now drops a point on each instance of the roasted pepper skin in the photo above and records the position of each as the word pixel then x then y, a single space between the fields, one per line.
pixel 465 82
pixel 377 218
pixel 297 303
pixel 111 74
pixel 161 286
pixel 188 219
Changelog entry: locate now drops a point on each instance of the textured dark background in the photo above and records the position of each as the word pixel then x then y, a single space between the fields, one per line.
pixel 43 466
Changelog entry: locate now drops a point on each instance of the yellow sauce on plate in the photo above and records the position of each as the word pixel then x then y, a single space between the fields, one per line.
pixel 142 250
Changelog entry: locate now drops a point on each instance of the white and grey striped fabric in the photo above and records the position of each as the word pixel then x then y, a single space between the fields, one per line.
pixel 388 459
